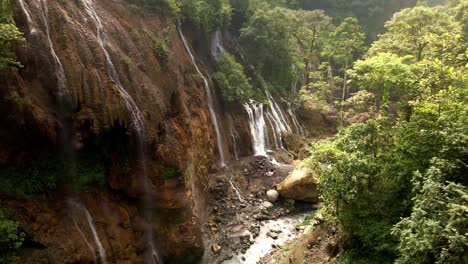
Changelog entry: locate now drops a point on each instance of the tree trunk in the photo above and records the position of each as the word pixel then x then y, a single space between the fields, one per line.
pixel 343 96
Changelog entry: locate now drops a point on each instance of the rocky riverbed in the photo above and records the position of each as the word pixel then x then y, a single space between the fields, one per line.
pixel 248 219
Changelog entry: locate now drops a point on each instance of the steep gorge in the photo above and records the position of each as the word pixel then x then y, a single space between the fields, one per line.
pixel 91 80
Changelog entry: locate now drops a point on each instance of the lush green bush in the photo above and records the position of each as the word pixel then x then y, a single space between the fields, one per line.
pixel 161 46
pixel 206 14
pixel 11 239
pixel 232 80
pixel 9 35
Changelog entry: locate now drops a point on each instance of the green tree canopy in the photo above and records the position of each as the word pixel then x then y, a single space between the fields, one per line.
pixel 232 80
pixel 414 30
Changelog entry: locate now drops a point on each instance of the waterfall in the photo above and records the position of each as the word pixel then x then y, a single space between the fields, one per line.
pixel 277 132
pixel 86 241
pixel 59 71
pixel 102 252
pixel 101 37
pixel 275 139
pixel 89 220
pixel 278 114
pixel 152 255
pixel 296 124
pixel 25 9
pixel 236 190
pixel 257 127
pixel 217 44
pixel 234 136
pixel 211 108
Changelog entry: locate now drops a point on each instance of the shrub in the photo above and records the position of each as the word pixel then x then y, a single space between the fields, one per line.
pixel 11 239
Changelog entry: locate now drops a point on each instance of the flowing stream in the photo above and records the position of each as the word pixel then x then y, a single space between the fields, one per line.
pixel 263 243
pixel 210 99
pixel 257 127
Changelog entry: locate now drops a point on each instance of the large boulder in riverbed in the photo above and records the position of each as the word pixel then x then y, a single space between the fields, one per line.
pixel 300 185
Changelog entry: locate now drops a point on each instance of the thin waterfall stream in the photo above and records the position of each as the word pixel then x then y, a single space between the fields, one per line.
pixel 102 252
pixel 26 11
pixel 153 255
pixel 77 206
pixel 217 44
pixel 59 71
pixel 234 137
pixel 210 99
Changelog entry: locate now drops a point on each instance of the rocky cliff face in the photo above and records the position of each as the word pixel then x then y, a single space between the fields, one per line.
pixel 108 77
pixel 91 69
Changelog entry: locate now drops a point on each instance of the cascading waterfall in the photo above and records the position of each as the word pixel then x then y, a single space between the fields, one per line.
pixel 137 121
pixel 59 71
pixel 277 132
pixel 275 140
pixel 217 44
pixel 257 127
pixel 210 99
pixel 278 114
pixel 101 37
pixel 295 122
pixel 234 137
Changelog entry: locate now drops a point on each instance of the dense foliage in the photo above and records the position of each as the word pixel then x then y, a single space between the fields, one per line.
pixel 11 238
pixel 396 184
pixel 9 35
pixel 206 14
pixel 232 80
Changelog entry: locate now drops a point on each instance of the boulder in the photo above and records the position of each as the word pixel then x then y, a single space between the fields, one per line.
pixel 267 204
pixel 216 248
pixel 300 185
pixel 317 116
pixel 272 195
pixel 272 235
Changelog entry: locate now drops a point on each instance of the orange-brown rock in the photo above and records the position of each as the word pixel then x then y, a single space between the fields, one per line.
pixel 300 185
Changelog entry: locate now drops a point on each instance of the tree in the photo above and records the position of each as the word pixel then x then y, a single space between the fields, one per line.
pixel 435 232
pixel 206 14
pixel 232 80
pixel 386 75
pixel 412 32
pixel 314 29
pixel 9 35
pixel 267 40
pixel 346 43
